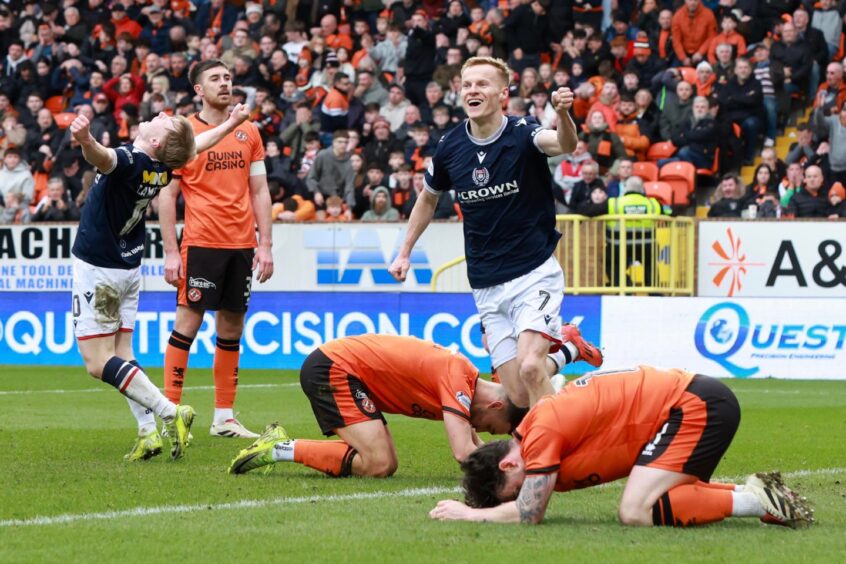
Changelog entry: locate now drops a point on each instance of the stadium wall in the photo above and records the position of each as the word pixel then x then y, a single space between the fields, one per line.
pixel 334 282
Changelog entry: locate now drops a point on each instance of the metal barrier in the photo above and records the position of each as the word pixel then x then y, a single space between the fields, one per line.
pixel 632 254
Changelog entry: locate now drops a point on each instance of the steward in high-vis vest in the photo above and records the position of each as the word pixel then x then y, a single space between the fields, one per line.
pixel 640 235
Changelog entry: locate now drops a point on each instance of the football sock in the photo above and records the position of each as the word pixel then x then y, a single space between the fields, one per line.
pixel 691 504
pixel 176 362
pixel 561 357
pixel 221 414
pixel 719 486
pixel 570 352
pixel 226 357
pixel 746 504
pixel 143 415
pixel 134 384
pixel 330 457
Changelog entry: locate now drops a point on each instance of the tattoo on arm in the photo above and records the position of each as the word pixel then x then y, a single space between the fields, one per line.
pixel 534 497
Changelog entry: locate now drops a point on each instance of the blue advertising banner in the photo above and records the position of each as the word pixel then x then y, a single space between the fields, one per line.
pixel 282 328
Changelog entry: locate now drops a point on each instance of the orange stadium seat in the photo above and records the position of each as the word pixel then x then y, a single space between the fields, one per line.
pixel 661 150
pixel 64 119
pixel 689 75
pixel 682 177
pixel 647 171
pixel 56 104
pixel 661 191
pixel 715 167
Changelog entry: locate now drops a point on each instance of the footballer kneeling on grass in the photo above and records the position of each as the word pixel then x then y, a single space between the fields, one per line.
pixel 666 430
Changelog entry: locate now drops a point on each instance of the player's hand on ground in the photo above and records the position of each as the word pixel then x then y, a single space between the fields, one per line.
pixel 450 510
pixel 79 128
pixel 399 268
pixel 562 100
pixel 173 269
pixel 263 264
pixel 239 113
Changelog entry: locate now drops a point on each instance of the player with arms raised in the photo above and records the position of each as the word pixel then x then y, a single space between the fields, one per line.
pixel 108 250
pixel 497 166
pixel 226 197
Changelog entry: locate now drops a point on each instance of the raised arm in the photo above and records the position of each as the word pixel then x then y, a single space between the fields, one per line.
pixel 418 221
pixel 208 139
pixel 529 508
pixel 564 140
pixel 103 158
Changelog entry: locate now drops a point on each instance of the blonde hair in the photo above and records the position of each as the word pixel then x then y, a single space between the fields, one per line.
pixel 501 66
pixel 179 146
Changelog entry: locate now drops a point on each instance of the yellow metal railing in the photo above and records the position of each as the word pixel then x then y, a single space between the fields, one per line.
pixel 632 254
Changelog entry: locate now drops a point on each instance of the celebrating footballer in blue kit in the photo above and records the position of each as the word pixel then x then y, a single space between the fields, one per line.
pixel 108 250
pixel 497 166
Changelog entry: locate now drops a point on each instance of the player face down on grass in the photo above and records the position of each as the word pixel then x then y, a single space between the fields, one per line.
pixel 665 431
pixel 352 381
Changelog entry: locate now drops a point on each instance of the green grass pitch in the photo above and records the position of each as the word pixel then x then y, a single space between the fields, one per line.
pixel 67 495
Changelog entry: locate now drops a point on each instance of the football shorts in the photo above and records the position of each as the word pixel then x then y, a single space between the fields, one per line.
pixel 216 279
pixel 104 300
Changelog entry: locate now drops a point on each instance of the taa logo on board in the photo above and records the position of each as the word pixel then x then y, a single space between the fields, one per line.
pixel 345 255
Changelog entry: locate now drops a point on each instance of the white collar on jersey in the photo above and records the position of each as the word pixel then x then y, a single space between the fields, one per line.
pixel 490 139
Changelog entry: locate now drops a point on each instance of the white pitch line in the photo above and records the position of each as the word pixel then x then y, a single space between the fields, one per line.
pixel 243 504
pixel 109 388
pixel 255 503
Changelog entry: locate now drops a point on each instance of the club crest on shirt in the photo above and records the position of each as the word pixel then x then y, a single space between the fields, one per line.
pixel 241 136
pixel 481 176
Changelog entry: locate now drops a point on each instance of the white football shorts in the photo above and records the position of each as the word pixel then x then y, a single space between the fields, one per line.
pixel 531 302
pixel 105 300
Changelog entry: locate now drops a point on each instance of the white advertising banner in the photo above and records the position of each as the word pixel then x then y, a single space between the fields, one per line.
pixel 789 259
pixel 352 257
pixel 741 338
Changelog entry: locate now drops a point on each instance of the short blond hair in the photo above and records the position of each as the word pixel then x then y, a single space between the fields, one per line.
pixel 501 66
pixel 179 147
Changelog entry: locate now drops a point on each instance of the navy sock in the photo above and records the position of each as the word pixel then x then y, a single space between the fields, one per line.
pixel 116 372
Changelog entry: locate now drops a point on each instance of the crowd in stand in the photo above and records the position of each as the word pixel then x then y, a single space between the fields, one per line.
pixel 352 96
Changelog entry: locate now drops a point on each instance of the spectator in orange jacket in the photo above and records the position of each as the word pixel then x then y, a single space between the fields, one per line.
pixel 729 36
pixel 628 128
pixel 693 26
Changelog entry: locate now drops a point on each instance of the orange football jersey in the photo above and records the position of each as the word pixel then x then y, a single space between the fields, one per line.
pixel 407 375
pixel 216 187
pixel 594 429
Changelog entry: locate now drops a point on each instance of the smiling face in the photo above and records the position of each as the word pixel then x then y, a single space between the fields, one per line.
pixel 483 89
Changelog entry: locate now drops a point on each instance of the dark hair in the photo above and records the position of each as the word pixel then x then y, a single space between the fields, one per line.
pixel 482 476
pixel 514 414
pixel 198 69
pixel 311 136
pixel 339 77
pixel 340 134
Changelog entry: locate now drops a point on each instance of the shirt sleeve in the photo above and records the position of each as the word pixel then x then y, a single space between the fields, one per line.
pixel 258 145
pixel 124 160
pixel 458 387
pixel 542 443
pixel 436 179
pixel 531 134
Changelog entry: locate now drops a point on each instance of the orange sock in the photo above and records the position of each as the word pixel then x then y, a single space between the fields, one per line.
pixel 176 362
pixel 330 457
pixel 716 486
pixel 691 504
pixel 225 369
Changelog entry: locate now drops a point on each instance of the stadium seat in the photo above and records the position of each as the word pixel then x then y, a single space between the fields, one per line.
pixel 662 150
pixel 715 167
pixel 682 177
pixel 56 104
pixel 661 191
pixel 647 171
pixel 689 75
pixel 64 119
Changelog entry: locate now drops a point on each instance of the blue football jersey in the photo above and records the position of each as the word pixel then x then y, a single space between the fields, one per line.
pixel 111 230
pixel 504 188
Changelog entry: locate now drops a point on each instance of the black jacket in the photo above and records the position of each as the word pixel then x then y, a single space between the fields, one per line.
pixel 699 136
pixel 420 54
pixel 803 204
pixel 727 207
pixel 739 101
pixel 797 56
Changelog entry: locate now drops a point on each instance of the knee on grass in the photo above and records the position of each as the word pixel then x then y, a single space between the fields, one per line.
pixel 379 466
pixel 634 515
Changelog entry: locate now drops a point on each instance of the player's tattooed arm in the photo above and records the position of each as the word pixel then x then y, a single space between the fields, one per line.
pixel 534 497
